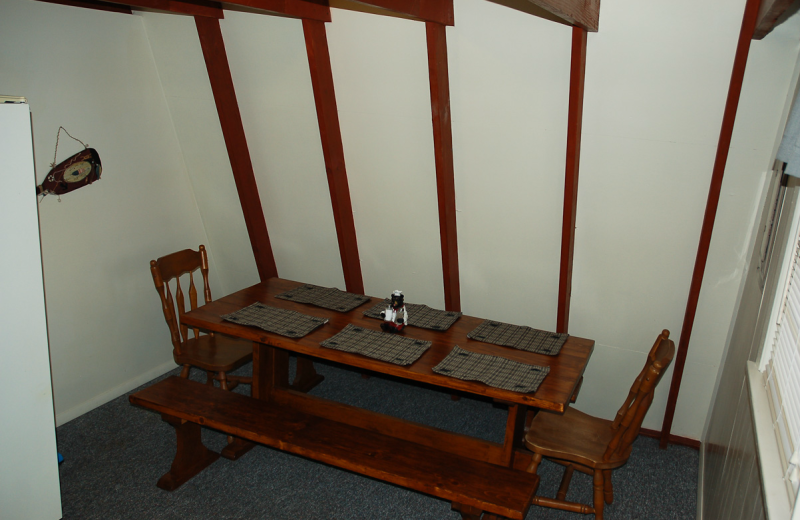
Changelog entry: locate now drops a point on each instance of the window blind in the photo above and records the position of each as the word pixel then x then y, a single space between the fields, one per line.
pixel 782 377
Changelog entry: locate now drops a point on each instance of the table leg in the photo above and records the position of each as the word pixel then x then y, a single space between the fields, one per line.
pixel 515 429
pixel 270 370
pixel 191 455
pixel 307 376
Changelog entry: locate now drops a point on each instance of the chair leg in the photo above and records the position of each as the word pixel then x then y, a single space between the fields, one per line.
pixel 609 490
pixel 598 494
pixel 535 461
pixel 223 381
pixel 210 378
pixel 565 480
pixel 185 371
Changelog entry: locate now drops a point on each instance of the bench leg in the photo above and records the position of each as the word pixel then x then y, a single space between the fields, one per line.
pixel 191 455
pixel 467 512
pixel 236 448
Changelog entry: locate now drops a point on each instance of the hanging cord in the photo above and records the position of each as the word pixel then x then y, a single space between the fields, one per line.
pixel 60 128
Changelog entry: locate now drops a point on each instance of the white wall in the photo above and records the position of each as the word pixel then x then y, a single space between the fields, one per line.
pixel 107 333
pixel 656 83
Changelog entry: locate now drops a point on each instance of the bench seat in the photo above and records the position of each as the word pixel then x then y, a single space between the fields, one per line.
pixel 472 486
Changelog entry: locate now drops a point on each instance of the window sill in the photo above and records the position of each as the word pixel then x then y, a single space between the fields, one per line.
pixel 777 503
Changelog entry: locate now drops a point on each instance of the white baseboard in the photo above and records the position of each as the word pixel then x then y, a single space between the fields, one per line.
pixel 99 400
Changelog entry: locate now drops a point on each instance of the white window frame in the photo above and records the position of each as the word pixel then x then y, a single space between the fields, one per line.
pixel 779 494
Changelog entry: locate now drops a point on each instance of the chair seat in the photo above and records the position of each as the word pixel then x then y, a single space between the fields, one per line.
pixel 216 353
pixel 574 437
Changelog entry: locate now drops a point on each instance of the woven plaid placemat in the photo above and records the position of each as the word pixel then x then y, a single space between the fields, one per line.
pixel 378 345
pixel 325 297
pixel 280 321
pixel 492 370
pixel 519 337
pixel 419 315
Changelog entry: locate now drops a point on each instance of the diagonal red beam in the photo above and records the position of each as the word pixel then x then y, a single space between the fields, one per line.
pixel 319 62
pixel 438 11
pixel 233 131
pixel 728 119
pixel 443 154
pixel 577 76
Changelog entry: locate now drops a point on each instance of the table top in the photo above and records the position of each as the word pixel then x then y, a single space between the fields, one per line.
pixel 554 393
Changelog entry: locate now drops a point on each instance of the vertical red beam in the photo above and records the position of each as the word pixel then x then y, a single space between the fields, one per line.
pixel 230 119
pixel 443 153
pixel 728 119
pixel 577 75
pixel 319 61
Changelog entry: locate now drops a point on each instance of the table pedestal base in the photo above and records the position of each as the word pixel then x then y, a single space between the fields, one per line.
pixel 307 376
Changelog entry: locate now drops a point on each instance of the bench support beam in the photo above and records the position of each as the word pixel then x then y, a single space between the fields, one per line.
pixel 191 456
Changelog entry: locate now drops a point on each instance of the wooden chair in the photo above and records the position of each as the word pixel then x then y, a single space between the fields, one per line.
pixel 216 354
pixel 592 445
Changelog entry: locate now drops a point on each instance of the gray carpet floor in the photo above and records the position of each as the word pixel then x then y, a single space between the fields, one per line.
pixel 115 454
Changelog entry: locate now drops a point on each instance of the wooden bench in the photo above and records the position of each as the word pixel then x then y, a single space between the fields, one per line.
pixel 474 487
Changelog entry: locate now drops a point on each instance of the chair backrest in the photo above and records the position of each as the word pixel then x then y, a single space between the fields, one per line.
pixel 629 418
pixel 173 266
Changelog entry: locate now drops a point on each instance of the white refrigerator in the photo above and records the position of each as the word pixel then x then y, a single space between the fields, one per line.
pixel 29 484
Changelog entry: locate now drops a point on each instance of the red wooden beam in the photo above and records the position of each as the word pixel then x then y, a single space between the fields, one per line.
pixel 577 75
pixel 438 11
pixel 443 153
pixel 231 122
pixel 728 119
pixel 319 61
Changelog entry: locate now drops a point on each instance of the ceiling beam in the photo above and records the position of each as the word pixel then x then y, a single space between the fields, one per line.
pixel 580 13
pixel 438 11
pixel 768 15
pixel 93 4
pixel 191 8
pixel 305 9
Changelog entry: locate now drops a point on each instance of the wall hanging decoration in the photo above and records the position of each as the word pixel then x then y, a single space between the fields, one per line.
pixel 80 169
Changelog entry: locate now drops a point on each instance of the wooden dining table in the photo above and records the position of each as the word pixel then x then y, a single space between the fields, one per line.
pixel 271 387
